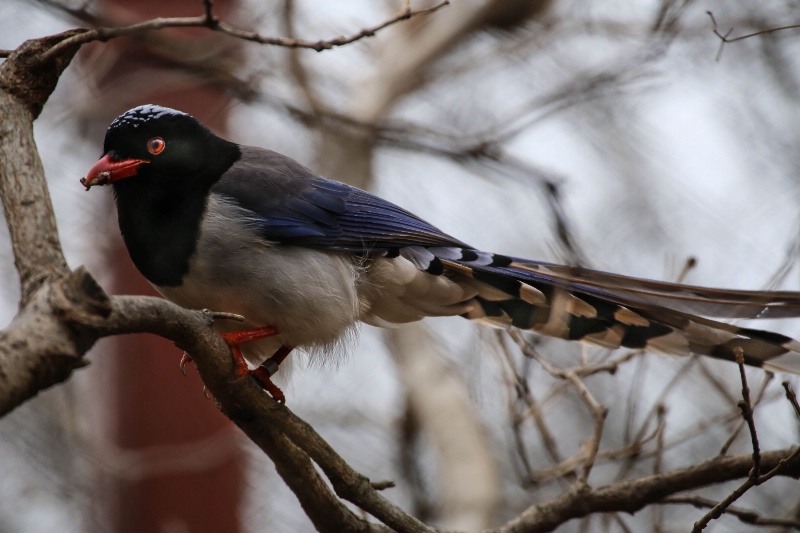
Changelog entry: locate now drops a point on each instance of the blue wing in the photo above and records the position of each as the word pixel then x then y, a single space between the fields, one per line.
pixel 296 207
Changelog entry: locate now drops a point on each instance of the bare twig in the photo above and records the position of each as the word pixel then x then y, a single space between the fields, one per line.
pixel 792 397
pixel 742 422
pixel 661 413
pixel 522 396
pixel 747 412
pixel 572 463
pixel 296 67
pixel 210 21
pixel 754 476
pixel 658 516
pixel 725 37
pixel 744 515
pixel 573 376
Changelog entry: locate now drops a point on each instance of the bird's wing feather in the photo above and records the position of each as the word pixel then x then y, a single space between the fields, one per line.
pixel 294 206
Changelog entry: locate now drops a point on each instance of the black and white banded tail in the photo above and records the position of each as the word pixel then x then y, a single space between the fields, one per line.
pixel 616 311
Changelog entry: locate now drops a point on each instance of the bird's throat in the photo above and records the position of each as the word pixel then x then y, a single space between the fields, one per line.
pixel 160 229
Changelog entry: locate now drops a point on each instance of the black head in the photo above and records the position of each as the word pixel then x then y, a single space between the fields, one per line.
pixel 161 147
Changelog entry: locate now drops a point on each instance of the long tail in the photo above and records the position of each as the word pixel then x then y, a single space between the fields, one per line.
pixel 618 311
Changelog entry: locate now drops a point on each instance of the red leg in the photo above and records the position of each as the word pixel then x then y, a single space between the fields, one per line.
pixel 268 368
pixel 236 338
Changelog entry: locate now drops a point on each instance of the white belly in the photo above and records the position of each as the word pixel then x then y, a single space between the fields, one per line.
pixel 310 297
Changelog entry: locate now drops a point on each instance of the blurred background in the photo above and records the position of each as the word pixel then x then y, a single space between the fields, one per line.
pixel 612 135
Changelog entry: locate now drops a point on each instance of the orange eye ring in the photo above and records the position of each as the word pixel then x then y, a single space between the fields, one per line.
pixel 156 145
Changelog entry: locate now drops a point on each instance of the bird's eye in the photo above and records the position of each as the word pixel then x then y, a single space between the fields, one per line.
pixel 156 145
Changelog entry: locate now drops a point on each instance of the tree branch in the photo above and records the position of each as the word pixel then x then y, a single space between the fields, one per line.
pixel 744 515
pixel 633 495
pixel 725 38
pixel 25 84
pixel 210 21
pixel 752 479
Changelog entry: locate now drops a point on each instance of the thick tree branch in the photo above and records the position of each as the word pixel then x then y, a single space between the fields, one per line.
pixel 48 339
pixel 25 84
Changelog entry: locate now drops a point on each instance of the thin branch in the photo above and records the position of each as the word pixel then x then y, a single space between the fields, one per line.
pixel 208 7
pixel 570 465
pixel 573 376
pixel 296 67
pixel 653 412
pixel 753 476
pixel 742 422
pixel 725 37
pixel 631 496
pixel 522 404
pixel 792 397
pixel 747 412
pixel 210 21
pixel 744 515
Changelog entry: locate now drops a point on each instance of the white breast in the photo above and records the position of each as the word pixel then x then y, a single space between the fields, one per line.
pixel 311 297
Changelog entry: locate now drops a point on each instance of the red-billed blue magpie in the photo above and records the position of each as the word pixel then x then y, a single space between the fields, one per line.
pixel 213 224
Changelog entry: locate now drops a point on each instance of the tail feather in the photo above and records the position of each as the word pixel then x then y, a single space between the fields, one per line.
pixel 722 303
pixel 617 311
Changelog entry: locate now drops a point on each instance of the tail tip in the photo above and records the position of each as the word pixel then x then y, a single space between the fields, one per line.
pixel 785 363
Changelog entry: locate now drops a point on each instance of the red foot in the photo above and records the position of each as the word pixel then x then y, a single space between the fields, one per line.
pixel 235 338
pixel 263 379
pixel 263 373
pixel 268 368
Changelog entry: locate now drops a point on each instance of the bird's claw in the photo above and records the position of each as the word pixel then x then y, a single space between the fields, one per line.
pixel 262 376
pixel 185 358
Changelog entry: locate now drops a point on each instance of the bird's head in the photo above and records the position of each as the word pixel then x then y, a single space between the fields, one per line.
pixel 152 141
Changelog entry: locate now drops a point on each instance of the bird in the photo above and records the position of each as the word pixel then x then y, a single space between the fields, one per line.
pixel 217 225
